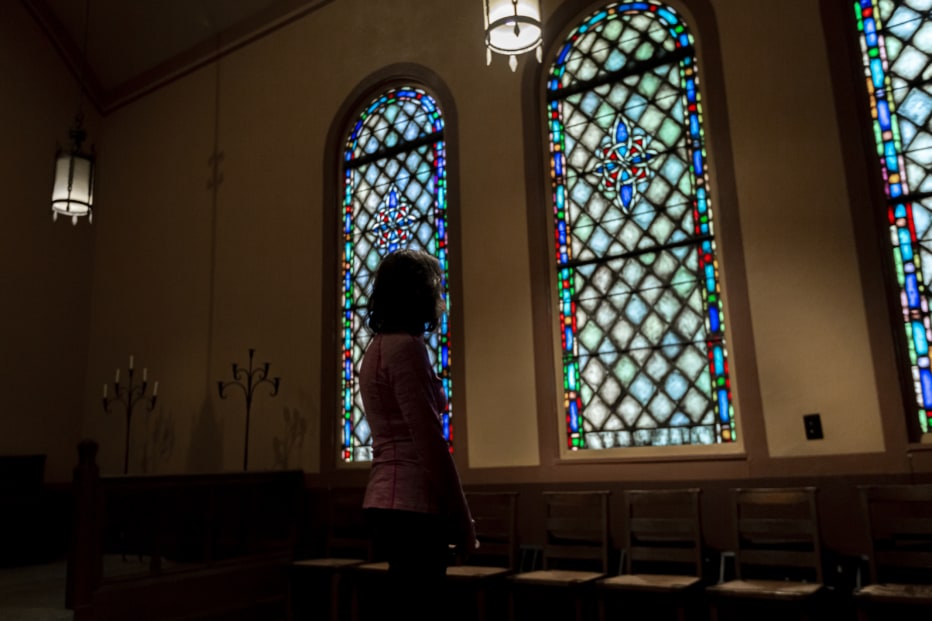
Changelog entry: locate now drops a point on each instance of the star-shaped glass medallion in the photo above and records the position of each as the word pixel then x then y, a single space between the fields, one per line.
pixel 393 222
pixel 623 163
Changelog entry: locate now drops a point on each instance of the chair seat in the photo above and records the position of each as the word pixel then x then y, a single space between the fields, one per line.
pixel 915 593
pixel 372 567
pixel 474 572
pixel 557 577
pixel 650 582
pixel 774 589
pixel 328 563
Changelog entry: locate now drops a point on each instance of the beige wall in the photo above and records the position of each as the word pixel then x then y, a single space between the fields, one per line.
pixel 188 285
pixel 45 277
pixel 807 305
pixel 187 275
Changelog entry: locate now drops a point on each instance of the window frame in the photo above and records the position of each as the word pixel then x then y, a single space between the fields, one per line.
pixel 382 80
pixel 869 204
pixel 699 16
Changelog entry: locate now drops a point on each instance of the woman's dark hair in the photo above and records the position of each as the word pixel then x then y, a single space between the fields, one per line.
pixel 407 295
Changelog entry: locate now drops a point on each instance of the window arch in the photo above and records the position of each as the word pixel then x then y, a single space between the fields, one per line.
pixel 394 196
pixel 896 50
pixel 640 308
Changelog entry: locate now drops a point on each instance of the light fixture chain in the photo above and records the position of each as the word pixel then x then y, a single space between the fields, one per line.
pixel 82 64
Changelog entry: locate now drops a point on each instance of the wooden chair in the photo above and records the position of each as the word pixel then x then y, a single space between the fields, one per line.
pixel 899 519
pixel 576 550
pixel 346 546
pixel 367 577
pixel 495 514
pixel 662 553
pixel 778 552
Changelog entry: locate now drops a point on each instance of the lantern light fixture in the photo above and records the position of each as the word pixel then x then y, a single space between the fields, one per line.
pixel 512 27
pixel 73 188
pixel 73 184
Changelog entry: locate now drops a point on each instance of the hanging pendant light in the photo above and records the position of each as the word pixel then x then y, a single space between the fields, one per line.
pixel 73 185
pixel 512 27
pixel 73 188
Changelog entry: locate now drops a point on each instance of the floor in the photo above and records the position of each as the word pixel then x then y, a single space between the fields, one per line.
pixel 37 592
pixel 34 593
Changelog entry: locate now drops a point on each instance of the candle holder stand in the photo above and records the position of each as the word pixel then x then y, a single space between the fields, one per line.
pixel 249 379
pixel 129 396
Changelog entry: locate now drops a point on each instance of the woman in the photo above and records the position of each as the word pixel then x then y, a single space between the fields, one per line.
pixel 414 502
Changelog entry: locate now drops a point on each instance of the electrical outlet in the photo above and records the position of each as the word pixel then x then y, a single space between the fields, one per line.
pixel 813 424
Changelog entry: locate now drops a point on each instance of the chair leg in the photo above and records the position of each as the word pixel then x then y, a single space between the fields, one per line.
pixel 580 607
pixel 603 614
pixel 354 600
pixel 480 603
pixel 335 597
pixel 713 611
pixel 511 604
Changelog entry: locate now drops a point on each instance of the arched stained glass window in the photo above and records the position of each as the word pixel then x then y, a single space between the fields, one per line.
pixel 896 47
pixel 641 325
pixel 394 197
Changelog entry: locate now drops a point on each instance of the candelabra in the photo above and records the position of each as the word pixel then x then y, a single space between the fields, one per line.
pixel 129 396
pixel 252 378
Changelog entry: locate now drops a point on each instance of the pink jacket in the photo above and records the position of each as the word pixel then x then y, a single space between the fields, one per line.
pixel 412 469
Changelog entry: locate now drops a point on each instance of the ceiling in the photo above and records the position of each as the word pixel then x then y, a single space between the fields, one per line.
pixel 134 46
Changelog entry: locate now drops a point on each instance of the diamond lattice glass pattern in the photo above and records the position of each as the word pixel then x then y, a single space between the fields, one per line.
pixel 394 197
pixel 641 324
pixel 896 45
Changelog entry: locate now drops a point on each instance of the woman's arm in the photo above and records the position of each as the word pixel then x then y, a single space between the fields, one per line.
pixel 413 382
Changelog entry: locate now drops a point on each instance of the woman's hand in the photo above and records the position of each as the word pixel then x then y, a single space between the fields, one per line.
pixel 462 552
pixel 464 540
pixel 469 543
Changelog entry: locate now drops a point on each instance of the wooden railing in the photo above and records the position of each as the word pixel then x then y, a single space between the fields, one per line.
pixel 181 546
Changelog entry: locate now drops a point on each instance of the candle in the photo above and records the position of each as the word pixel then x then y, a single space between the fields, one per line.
pixel 105 391
pixel 145 372
pixel 116 378
pixel 131 362
pixel 155 389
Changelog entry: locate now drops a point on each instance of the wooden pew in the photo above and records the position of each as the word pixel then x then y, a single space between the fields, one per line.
pixel 206 547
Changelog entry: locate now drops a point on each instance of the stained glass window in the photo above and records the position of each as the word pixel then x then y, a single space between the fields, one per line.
pixel 896 47
pixel 394 196
pixel 641 324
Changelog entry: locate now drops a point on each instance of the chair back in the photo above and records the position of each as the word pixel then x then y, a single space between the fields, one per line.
pixel 577 530
pixel 347 534
pixel 663 532
pixel 899 519
pixel 777 531
pixel 496 519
